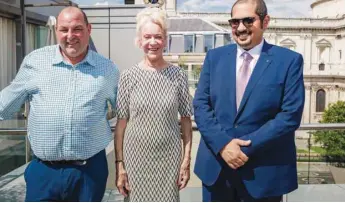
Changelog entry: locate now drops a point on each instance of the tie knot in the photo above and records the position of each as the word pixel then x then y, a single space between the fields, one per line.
pixel 246 56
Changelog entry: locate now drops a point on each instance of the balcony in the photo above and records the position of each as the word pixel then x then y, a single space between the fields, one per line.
pixel 318 180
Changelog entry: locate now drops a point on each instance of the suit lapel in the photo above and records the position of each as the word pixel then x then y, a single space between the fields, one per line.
pixel 227 82
pixel 232 80
pixel 263 62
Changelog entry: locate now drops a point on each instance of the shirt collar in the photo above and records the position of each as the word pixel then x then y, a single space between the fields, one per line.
pixel 254 52
pixel 59 58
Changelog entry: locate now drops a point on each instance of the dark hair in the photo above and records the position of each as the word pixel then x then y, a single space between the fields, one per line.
pixel 87 21
pixel 260 10
pixel 69 7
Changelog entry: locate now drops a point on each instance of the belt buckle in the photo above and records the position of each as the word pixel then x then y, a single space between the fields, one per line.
pixel 80 163
pixel 51 162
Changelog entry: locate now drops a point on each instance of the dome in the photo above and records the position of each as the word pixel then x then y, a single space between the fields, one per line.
pixel 328 8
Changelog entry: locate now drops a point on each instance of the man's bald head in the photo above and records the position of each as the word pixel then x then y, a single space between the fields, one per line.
pixel 260 7
pixel 73 34
pixel 70 9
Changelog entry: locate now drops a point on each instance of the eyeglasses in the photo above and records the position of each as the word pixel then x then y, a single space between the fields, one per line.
pixel 247 22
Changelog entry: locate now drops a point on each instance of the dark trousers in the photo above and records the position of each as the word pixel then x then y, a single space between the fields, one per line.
pixel 228 188
pixel 67 182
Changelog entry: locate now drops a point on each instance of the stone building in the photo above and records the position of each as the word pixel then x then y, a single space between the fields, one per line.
pixel 320 39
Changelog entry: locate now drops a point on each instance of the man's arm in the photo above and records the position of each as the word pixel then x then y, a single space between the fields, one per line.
pixel 214 136
pixel 289 118
pixel 113 99
pixel 15 95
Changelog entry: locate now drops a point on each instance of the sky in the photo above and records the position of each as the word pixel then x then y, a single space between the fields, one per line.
pixel 276 8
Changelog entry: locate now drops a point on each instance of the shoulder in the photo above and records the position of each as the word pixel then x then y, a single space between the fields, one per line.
pixel 283 51
pixel 103 62
pixel 42 52
pixel 222 49
pixel 177 70
pixel 220 53
pixel 130 72
pixel 292 60
pixel 39 58
pixel 100 59
pixel 47 49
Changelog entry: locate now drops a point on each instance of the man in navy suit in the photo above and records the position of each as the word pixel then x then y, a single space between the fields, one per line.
pixel 248 105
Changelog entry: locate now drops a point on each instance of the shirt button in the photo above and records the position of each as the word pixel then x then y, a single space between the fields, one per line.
pixel 235 126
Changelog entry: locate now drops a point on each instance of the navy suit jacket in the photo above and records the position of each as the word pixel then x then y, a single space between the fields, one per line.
pixel 269 114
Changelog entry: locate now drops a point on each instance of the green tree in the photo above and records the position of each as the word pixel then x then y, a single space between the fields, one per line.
pixel 197 71
pixel 181 62
pixel 333 141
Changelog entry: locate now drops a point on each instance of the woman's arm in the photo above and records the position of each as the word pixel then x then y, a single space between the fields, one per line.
pixel 118 137
pixel 186 128
pixel 121 174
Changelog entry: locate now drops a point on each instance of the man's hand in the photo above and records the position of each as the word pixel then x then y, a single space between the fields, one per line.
pixel 233 155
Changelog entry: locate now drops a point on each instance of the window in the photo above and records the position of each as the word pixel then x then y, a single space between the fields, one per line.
pixel 227 39
pixel 320 100
pixel 321 67
pixel 322 54
pixel 288 43
pixel 208 42
pixel 169 43
pixel 176 43
pixel 324 50
pixel 188 43
pixel 41 36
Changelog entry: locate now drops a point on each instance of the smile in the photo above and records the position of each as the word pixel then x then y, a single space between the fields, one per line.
pixel 71 43
pixel 153 49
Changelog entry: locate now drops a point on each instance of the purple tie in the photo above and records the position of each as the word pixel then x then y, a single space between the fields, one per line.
pixel 243 77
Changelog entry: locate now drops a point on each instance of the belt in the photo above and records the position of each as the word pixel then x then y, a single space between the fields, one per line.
pixel 65 162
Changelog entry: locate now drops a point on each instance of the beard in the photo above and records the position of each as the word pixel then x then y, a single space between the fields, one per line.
pixel 74 51
pixel 243 38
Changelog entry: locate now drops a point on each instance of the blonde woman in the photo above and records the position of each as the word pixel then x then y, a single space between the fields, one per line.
pixel 150 161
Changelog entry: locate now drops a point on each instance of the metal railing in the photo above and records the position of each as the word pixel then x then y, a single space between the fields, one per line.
pixel 322 126
pixel 304 127
pixel 312 126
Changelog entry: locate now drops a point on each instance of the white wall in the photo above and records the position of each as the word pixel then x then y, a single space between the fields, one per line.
pixel 115 41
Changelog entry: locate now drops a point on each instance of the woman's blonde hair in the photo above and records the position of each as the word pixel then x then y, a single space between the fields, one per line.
pixel 154 15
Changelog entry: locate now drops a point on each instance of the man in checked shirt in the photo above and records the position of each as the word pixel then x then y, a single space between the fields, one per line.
pixel 68 87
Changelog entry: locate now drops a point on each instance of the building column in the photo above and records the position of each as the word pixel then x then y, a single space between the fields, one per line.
pixel 306 111
pixel 312 107
pixel 190 72
pixel 170 6
pixel 307 51
pixel 328 97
